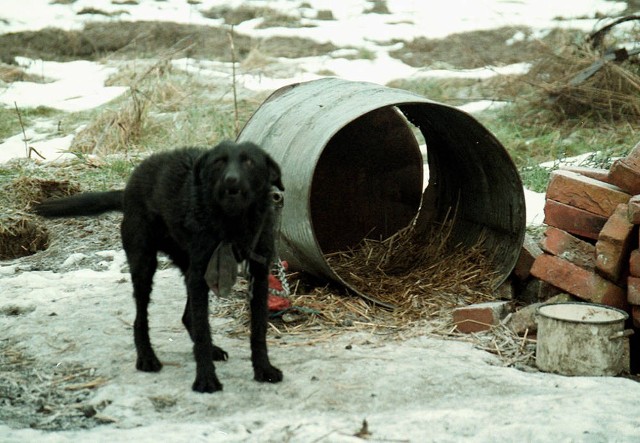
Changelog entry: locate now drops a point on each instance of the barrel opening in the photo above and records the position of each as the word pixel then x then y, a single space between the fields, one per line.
pixel 367 182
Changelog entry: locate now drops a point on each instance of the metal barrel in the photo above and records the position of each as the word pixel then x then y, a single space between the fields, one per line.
pixel 353 169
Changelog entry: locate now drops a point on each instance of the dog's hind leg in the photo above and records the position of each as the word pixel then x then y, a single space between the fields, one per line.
pixel 262 368
pixel 142 276
pixel 142 264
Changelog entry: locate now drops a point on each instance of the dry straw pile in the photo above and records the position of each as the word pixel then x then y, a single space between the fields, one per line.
pixel 418 274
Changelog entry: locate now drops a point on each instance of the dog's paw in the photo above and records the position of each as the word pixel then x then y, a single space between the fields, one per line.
pixel 148 364
pixel 219 354
pixel 208 383
pixel 269 374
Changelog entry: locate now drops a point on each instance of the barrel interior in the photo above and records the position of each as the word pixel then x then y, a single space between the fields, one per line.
pixel 367 182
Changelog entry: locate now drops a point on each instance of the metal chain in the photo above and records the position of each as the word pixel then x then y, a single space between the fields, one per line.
pixel 280 274
pixel 278 270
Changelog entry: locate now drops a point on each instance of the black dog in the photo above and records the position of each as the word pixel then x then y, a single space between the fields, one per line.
pixel 185 203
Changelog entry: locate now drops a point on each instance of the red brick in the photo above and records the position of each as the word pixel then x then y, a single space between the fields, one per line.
pixel 564 245
pixel 599 174
pixel 634 263
pixel 585 193
pixel 614 245
pixel 479 317
pixel 618 229
pixel 633 290
pixel 625 175
pixel 634 210
pixel 610 261
pixel 530 250
pixel 577 281
pixel 635 316
pixel 573 220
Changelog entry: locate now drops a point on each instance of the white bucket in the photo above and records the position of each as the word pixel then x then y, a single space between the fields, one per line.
pixel 581 339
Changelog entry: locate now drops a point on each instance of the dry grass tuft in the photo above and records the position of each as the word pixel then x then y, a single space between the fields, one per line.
pixel 21 235
pixel 612 93
pixel 25 191
pixel 113 130
pixel 587 80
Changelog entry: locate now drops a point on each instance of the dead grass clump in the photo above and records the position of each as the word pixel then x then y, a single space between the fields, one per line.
pixel 20 236
pixel 96 11
pixel 270 17
pixel 585 77
pixel 113 131
pixel 294 47
pixel 468 50
pixel 579 83
pixel 25 191
pixel 121 39
pixel 13 73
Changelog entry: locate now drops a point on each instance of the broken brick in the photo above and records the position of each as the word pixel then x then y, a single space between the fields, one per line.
pixel 479 317
pixel 530 250
pixel 564 245
pixel 577 281
pixel 524 320
pixel 574 220
pixel 625 175
pixel 613 245
pixel 585 193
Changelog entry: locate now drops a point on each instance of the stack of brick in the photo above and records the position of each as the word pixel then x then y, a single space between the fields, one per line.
pixel 591 248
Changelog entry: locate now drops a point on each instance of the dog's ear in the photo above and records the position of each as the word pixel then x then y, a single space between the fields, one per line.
pixel 275 176
pixel 199 167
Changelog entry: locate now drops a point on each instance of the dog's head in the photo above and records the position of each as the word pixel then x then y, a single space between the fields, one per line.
pixel 237 175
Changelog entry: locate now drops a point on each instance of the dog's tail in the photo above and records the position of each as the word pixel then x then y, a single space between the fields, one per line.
pixel 86 203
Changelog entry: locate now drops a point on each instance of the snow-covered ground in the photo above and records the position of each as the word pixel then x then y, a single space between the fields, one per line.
pixel 419 389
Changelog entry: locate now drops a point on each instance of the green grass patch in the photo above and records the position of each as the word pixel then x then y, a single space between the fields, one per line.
pixel 451 91
pixel 532 138
pixel 9 124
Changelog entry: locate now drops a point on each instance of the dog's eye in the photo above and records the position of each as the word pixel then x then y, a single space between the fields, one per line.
pixel 248 162
pixel 219 162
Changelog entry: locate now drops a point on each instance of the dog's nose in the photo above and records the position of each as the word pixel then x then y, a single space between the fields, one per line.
pixel 231 178
pixel 231 182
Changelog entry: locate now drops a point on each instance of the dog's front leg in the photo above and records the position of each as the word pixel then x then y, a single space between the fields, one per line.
pixel 203 351
pixel 262 368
